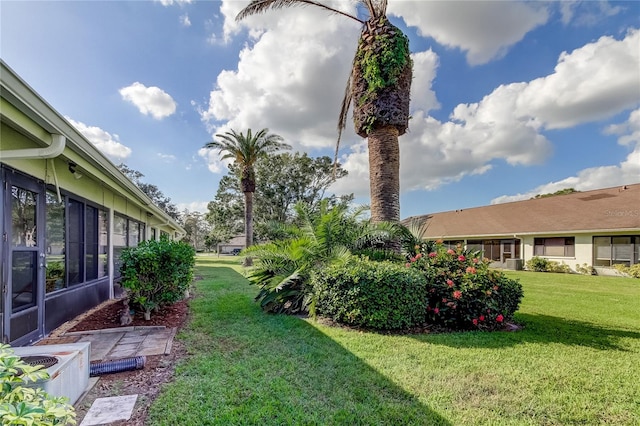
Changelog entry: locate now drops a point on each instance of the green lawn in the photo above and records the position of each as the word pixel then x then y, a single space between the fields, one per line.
pixel 577 361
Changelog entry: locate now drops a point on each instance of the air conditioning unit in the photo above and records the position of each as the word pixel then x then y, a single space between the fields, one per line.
pixel 67 365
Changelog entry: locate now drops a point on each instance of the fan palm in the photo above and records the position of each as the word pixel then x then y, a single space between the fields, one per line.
pixel 378 88
pixel 328 235
pixel 246 150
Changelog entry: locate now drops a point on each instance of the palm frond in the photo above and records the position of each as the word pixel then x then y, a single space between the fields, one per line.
pixel 342 118
pixel 261 6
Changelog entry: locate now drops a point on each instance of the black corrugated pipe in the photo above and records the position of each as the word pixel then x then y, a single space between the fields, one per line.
pixel 117 365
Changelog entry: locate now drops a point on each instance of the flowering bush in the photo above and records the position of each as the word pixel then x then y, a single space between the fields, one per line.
pixel 462 292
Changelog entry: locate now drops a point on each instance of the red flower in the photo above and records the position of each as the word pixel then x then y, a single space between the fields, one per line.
pixel 475 260
pixel 408 265
pixel 444 300
pixel 433 254
pixel 436 311
pixel 457 294
pixel 500 318
pixel 461 258
pixel 450 283
pixel 495 287
pixel 471 270
pixel 418 256
pixel 475 321
pixel 481 317
pixel 450 251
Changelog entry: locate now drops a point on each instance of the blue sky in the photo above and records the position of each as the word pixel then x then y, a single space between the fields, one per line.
pixel 509 99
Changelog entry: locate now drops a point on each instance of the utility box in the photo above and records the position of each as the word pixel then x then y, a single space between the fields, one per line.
pixel 515 264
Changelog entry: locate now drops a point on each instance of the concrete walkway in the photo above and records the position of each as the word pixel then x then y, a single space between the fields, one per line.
pixel 112 344
pixel 126 342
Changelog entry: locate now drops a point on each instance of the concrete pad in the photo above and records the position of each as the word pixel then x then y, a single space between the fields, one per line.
pixel 101 344
pixel 109 410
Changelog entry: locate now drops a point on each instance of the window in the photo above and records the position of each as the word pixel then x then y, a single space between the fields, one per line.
pixel 126 233
pixel 619 250
pixel 76 243
pixel 453 244
pixel 55 242
pixel 554 247
pixel 496 250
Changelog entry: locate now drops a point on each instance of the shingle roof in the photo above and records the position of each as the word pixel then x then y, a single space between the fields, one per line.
pixel 599 210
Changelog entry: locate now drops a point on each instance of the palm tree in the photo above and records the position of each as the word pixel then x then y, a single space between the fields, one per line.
pixel 246 150
pixel 378 88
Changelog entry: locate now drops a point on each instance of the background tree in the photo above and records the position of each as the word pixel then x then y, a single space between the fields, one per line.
pixel 378 88
pixel 246 151
pixel 553 194
pixel 197 229
pixel 152 191
pixel 282 180
pixel 225 212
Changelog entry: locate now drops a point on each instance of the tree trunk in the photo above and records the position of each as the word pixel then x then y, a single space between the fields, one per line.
pixel 248 224
pixel 384 174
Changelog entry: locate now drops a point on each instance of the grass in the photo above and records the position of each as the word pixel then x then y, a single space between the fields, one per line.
pixel 577 361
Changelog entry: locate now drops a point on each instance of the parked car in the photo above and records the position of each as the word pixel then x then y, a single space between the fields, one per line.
pixel 236 251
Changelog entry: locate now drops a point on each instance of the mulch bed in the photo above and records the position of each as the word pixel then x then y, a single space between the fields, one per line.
pixel 108 316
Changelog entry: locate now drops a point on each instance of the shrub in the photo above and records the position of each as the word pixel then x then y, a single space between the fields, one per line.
pixel 559 268
pixel 364 293
pixel 23 404
pixel 632 271
pixel 463 293
pixel 538 264
pixel 585 269
pixel 157 273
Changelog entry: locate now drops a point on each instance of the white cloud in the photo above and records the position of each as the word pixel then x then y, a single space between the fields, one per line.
pixel 290 80
pixel 425 65
pixel 483 29
pixel 172 2
pixel 167 158
pixel 586 13
pixel 108 144
pixel 193 207
pixel 627 172
pixel 212 159
pixel 593 82
pixel 185 21
pixel 149 100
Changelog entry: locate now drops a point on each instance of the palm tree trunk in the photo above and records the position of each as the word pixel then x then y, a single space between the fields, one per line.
pixel 384 174
pixel 248 225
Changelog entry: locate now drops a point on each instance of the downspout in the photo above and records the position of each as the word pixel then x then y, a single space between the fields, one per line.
pixel 56 148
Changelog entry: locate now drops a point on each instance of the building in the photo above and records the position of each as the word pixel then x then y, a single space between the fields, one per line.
pixel 234 245
pixel 67 213
pixel 599 228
